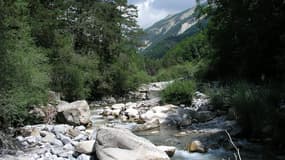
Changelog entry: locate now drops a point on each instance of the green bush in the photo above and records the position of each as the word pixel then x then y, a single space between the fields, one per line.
pixel 194 70
pixel 180 92
pixel 178 71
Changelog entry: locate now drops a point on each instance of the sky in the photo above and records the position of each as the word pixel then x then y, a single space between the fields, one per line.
pixel 151 11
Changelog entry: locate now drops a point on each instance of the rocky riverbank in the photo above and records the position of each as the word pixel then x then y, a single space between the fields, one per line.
pixel 196 128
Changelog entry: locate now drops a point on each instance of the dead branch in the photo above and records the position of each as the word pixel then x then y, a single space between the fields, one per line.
pixel 235 147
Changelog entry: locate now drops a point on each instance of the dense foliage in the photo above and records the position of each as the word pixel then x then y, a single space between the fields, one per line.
pixel 248 38
pixel 81 49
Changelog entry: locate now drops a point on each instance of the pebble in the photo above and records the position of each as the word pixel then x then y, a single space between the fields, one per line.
pixel 68 147
pixel 53 142
pixel 81 128
pixel 65 139
pixel 84 157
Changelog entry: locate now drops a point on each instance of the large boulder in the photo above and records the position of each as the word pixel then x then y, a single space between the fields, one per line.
pixel 121 144
pixel 75 113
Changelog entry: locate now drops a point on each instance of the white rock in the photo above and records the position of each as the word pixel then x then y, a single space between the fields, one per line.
pixel 57 142
pixel 132 113
pixel 84 157
pixel 115 112
pixel 33 140
pixel 77 113
pixel 20 138
pixel 81 128
pixel 80 137
pixel 65 139
pixel 68 147
pixel 86 147
pixel 56 151
pixel 121 144
pixel 131 105
pixel 67 155
pixel 119 106
pixel 61 129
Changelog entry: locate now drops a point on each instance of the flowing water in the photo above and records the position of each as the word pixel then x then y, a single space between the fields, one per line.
pixel 168 136
pixel 172 136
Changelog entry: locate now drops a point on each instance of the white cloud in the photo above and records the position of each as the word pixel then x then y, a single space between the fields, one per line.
pixel 147 15
pixel 151 11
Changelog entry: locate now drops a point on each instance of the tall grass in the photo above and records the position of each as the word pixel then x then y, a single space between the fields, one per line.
pixel 255 106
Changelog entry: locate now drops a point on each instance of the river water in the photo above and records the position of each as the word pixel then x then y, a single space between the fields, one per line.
pixel 168 136
pixel 172 136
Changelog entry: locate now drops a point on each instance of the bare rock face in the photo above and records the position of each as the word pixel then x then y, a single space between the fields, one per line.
pixel 75 113
pixel 121 144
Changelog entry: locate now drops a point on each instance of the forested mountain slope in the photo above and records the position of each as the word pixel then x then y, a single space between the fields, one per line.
pixel 163 35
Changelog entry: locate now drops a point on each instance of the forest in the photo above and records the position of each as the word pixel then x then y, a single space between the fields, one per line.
pixel 65 46
pixel 89 49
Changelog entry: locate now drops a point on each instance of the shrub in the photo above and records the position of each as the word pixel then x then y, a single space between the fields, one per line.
pixel 180 92
pixel 194 70
pixel 255 106
pixel 178 71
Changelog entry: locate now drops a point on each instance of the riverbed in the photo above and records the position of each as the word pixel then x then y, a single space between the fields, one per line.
pixel 173 136
pixel 167 136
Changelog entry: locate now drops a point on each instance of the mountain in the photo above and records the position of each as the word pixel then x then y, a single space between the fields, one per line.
pixel 163 35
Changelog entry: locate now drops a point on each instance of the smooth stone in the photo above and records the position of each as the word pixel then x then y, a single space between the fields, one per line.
pixel 65 139
pixel 57 142
pixel 147 126
pixel 81 128
pixel 20 138
pixel 132 113
pixel 85 147
pixel 61 128
pixel 75 113
pixel 121 144
pixel 48 137
pixel 56 151
pixel 80 137
pixel 32 139
pixel 68 147
pixel 119 106
pixel 66 154
pixel 84 157
pixel 73 132
pixel 196 146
